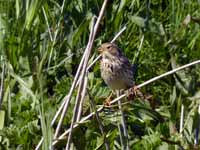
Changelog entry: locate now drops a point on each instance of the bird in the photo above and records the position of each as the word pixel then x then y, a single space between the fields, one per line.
pixel 116 70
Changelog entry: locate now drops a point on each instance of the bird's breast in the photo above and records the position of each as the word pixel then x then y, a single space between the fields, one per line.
pixel 114 75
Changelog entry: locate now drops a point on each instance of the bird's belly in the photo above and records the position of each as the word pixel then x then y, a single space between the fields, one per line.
pixel 116 80
pixel 116 84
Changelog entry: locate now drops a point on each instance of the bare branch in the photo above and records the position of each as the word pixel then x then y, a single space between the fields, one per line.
pixel 99 121
pixel 118 34
pixel 77 124
pixel 159 77
pixel 2 84
pixel 120 97
pixel 67 97
pixel 87 52
pixel 123 132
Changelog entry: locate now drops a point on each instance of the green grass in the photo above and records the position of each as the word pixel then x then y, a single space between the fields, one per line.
pixel 41 45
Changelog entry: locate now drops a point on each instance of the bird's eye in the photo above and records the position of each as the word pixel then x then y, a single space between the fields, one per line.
pixel 108 47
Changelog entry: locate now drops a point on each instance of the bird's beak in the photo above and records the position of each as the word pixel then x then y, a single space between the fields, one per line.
pixel 100 49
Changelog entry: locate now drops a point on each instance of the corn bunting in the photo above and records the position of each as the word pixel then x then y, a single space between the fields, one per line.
pixel 116 70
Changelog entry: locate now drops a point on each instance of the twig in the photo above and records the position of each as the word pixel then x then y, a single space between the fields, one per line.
pixel 120 134
pixel 87 51
pixel 123 132
pixel 118 34
pixel 139 86
pixel 76 125
pixel 172 142
pixel 66 99
pixel 81 65
pixel 196 140
pixel 81 79
pixel 113 40
pixel 159 77
pixel 92 63
pixel 82 100
pixel 181 118
pixel 2 84
pixel 99 121
pixel 135 60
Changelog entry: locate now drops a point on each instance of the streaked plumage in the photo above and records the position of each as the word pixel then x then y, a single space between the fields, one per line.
pixel 116 70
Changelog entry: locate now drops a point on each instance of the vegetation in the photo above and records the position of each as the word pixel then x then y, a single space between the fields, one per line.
pixel 42 43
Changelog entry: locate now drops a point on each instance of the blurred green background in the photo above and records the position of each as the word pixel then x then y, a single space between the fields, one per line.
pixel 42 42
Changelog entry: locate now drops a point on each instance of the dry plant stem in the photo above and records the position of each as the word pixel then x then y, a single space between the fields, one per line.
pixel 82 77
pixel 98 120
pixel 75 113
pixel 68 99
pixel 123 132
pixel 87 51
pixel 120 134
pixel 82 100
pixel 139 49
pixel 74 84
pixel 76 125
pixel 54 119
pixel 181 118
pixel 92 63
pixel 2 84
pixel 96 59
pixel 141 85
pixel 159 77
pixel 196 142
pixel 70 94
pixel 113 40
pixel 118 34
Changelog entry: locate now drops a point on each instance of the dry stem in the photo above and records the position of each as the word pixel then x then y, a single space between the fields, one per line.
pixel 122 96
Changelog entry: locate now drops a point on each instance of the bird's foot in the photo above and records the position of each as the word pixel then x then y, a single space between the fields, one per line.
pixel 108 100
pixel 134 92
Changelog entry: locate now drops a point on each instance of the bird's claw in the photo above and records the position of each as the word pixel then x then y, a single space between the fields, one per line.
pixel 134 92
pixel 108 100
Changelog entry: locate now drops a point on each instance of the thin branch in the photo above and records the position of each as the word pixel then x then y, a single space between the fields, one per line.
pixel 81 65
pixel 118 34
pixel 135 60
pixel 67 97
pixel 120 97
pixel 2 84
pixel 196 140
pixel 82 99
pixel 67 101
pixel 159 77
pixel 92 63
pixel 113 40
pixel 87 52
pixel 81 79
pixel 181 118
pixel 76 125
pixel 123 132
pixel 168 73
pixel 98 120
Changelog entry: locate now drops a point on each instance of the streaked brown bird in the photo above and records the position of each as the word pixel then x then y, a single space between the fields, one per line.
pixel 116 70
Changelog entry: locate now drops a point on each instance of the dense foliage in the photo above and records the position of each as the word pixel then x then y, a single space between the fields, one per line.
pixel 42 42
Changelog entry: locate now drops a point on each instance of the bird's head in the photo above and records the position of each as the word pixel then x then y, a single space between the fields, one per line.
pixel 109 50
